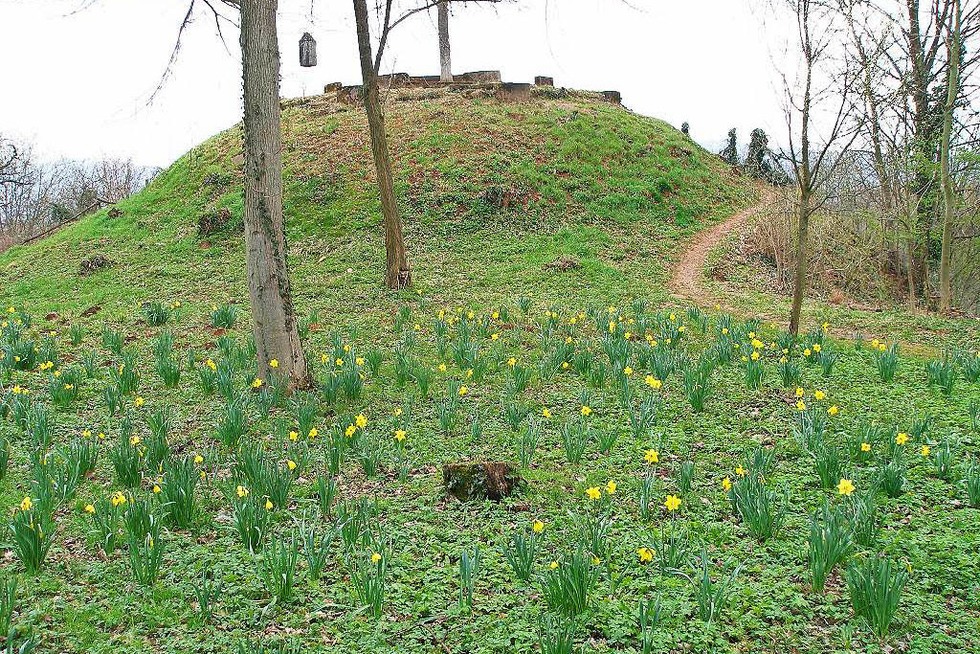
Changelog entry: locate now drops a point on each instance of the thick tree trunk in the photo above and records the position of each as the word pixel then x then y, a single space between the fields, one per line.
pixel 273 315
pixel 799 281
pixel 398 274
pixel 952 92
pixel 445 61
pixel 924 143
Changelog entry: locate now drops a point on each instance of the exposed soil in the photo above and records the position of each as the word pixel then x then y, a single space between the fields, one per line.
pixel 687 276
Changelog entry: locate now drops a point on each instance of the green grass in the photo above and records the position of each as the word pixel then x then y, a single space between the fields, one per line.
pixel 578 177
pixel 586 181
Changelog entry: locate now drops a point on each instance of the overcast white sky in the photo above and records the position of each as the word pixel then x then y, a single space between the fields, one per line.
pixel 77 82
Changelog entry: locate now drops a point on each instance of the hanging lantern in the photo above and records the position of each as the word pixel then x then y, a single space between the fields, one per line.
pixel 307 50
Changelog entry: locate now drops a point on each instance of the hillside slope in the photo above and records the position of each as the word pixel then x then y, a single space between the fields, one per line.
pixel 568 195
pixel 679 462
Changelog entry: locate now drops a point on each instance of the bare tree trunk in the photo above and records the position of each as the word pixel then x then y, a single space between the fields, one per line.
pixel 799 282
pixel 397 273
pixel 273 315
pixel 924 138
pixel 952 92
pixel 445 61
pixel 803 168
pixel 910 273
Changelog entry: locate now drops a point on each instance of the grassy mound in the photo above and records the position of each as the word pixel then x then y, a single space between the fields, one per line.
pixel 549 197
pixel 162 499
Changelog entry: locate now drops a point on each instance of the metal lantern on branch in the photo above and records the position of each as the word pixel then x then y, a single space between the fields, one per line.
pixel 307 50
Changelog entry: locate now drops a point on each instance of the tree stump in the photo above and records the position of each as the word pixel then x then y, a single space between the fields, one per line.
pixel 479 480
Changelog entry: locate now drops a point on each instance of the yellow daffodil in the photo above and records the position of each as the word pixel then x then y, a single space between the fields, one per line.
pixel 845 487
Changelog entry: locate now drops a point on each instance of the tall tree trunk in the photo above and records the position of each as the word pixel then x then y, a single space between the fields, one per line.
pixel 273 315
pixel 397 272
pixel 804 174
pixel 924 144
pixel 952 92
pixel 799 281
pixel 445 61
